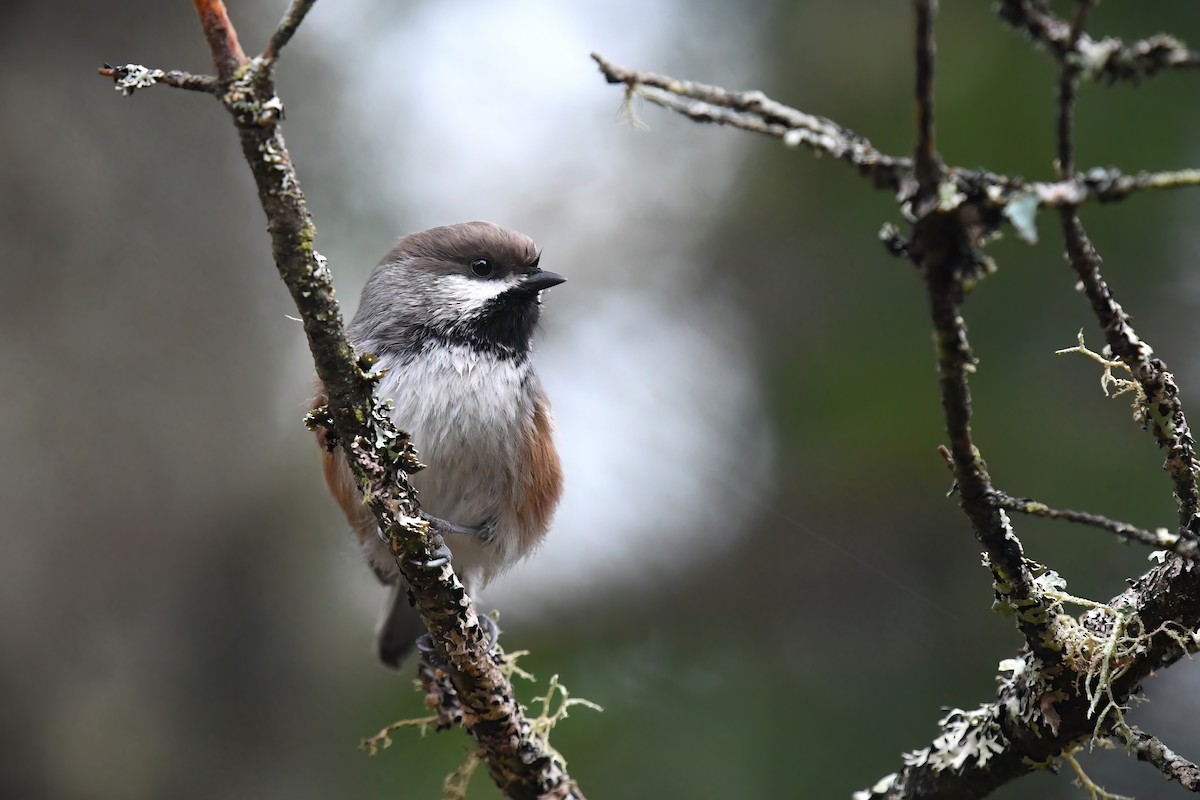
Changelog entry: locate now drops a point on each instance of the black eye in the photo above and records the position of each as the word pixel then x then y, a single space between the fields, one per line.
pixel 481 267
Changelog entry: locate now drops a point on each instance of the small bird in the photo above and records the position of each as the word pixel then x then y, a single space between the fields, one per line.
pixel 450 314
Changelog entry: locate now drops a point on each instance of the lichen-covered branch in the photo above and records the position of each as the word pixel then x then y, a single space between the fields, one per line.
pixel 1151 750
pixel 519 761
pixel 1006 199
pixel 1162 410
pixel 131 77
pixel 754 111
pixel 945 244
pixel 1108 58
pixel 1033 721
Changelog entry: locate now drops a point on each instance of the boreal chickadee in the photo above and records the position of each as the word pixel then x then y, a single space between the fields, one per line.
pixel 450 313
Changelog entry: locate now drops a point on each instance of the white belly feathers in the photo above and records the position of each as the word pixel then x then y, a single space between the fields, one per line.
pixel 466 412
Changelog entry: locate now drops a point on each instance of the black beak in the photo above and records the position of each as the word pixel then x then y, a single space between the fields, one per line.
pixel 536 281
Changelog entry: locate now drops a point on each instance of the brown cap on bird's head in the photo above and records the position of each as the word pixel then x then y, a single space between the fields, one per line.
pixel 464 243
pixel 474 284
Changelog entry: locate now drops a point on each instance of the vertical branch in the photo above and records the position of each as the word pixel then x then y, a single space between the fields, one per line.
pixel 947 257
pixel 1068 92
pixel 928 163
pixel 945 245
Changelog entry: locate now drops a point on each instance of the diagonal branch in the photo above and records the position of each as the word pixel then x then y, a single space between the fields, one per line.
pixel 1151 750
pixel 756 112
pixel 287 28
pixel 520 762
pixel 1008 198
pixel 1161 411
pixel 1031 723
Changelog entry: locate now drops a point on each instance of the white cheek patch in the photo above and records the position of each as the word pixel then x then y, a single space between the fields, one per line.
pixel 458 296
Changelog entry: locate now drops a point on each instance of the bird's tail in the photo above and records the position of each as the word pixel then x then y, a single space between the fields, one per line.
pixel 398 628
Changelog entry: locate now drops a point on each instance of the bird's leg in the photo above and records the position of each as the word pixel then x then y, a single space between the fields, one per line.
pixel 485 532
pixel 442 527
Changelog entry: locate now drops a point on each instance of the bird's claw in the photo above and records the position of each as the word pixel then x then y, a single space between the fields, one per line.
pixel 441 556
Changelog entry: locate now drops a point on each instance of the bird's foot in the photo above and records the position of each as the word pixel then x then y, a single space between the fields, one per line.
pixel 440 557
pixel 445 526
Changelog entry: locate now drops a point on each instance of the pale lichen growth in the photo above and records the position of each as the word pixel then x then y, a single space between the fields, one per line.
pixel 456 784
pixel 1021 210
pixel 1099 653
pixel 382 740
pixel 1102 656
pixel 1109 383
pixel 949 196
pixel 1031 608
pixel 550 714
pixel 132 77
pixel 881 787
pixel 1091 56
pixel 967 736
pixel 554 707
pixel 1095 791
pixel 628 112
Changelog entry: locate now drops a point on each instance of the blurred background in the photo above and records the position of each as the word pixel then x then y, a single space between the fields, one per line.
pixel 755 570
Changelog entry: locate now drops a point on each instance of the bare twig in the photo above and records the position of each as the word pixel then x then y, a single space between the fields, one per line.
pixel 221 36
pixel 520 762
pixel 1151 750
pixel 287 28
pixel 1161 539
pixel 1108 58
